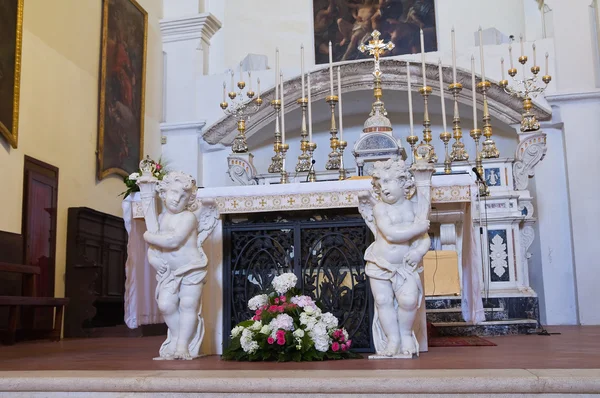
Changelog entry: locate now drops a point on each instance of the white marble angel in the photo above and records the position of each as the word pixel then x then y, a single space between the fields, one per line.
pixel 176 254
pixel 393 260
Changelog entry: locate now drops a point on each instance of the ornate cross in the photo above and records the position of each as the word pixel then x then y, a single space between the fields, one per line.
pixel 376 47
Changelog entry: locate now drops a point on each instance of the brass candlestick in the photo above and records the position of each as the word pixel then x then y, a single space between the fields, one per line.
pixel 283 148
pixel 489 150
pixel 304 158
pixel 426 92
pixel 458 152
pixel 312 175
pixel 445 137
pixel 342 145
pixel 276 161
pixel 333 161
pixel 476 135
pixel 412 140
pixel 241 109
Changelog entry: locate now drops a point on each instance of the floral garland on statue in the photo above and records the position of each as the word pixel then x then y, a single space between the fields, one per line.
pixel 130 181
pixel 287 326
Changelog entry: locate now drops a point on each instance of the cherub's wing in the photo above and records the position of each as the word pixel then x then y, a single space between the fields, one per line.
pixel 208 216
pixel 366 203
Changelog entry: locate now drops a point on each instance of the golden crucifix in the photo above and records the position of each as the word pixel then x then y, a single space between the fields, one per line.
pixel 376 47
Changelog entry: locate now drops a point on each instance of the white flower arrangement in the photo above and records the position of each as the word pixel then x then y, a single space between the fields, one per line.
pixel 258 301
pixel 284 282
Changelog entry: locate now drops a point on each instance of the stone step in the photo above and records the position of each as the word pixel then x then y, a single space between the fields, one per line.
pixel 455 315
pixel 487 328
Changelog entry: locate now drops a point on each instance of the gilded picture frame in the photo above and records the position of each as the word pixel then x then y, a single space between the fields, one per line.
pixel 122 87
pixel 11 42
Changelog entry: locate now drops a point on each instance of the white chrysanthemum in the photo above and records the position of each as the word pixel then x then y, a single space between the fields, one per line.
pixel 134 176
pixel 256 326
pixel 298 333
pixel 266 329
pixel 284 282
pixel 248 344
pixel 258 301
pixel 329 320
pixel 235 332
pixel 283 321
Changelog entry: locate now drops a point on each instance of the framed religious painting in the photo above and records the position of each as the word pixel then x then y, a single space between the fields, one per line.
pixel 122 85
pixel 348 23
pixel 11 38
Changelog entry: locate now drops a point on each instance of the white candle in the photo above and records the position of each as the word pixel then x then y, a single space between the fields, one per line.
pixel 474 92
pixel 232 85
pixel 340 102
pixel 423 59
pixel 481 54
pixel 276 73
pixel 249 81
pixel 442 94
pixel 522 45
pixel 410 109
pixel 547 64
pixel 502 67
pixel 453 56
pixel 309 112
pixel 224 91
pixel 282 111
pixel 510 58
pixel 330 70
pixel 258 89
pixel 241 73
pixel 302 67
pixel 534 60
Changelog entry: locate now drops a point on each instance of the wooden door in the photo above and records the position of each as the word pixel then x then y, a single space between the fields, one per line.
pixel 40 193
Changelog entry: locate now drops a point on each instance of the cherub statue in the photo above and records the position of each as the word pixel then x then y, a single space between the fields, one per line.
pixel 392 261
pixel 176 254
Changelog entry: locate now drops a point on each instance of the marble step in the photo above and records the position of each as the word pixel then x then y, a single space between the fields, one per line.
pixel 487 328
pixel 455 315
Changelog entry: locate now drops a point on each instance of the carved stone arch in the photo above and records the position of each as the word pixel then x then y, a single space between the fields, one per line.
pixel 357 77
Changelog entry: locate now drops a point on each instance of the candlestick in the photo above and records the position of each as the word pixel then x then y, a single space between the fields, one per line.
pixel 481 54
pixel 474 88
pixel 502 67
pixel 522 45
pixel 282 111
pixel 302 67
pixel 276 73
pixel 309 112
pixel 241 73
pixel 453 56
pixel 547 74
pixel 340 99
pixel 534 57
pixel 410 107
pixel 442 94
pixel 423 59
pixel 330 70
pixel 510 57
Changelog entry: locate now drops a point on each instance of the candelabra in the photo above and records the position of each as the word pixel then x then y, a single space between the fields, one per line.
pixel 525 89
pixel 283 148
pixel 425 91
pixel 342 145
pixel 333 161
pixel 304 159
pixel 277 160
pixel 489 149
pixel 458 152
pixel 312 175
pixel 242 106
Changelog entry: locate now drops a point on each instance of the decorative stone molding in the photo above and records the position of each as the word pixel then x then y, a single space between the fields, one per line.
pixel 241 169
pixel 201 26
pixel 358 76
pixel 178 127
pixel 448 236
pixel 530 151
pixel 527 238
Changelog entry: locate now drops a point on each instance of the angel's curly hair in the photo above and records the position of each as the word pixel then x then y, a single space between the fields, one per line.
pixel 189 185
pixel 397 170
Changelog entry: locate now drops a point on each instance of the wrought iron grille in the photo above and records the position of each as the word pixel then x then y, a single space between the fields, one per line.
pixel 324 250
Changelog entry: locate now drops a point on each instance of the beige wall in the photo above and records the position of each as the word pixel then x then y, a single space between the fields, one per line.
pixel 59 106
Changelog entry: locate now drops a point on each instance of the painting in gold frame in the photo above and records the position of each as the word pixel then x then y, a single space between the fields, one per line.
pixel 11 39
pixel 122 85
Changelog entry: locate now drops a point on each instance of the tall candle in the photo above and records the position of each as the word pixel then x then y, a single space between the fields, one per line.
pixel 302 67
pixel 453 56
pixel 249 81
pixel 502 67
pixel 474 92
pixel 224 91
pixel 423 59
pixel 534 60
pixel 330 70
pixel 241 73
pixel 510 57
pixel 340 102
pixel 522 45
pixel 276 73
pixel 442 94
pixel 410 109
pixel 547 64
pixel 481 54
pixel 258 84
pixel 309 111
pixel 282 111
pixel 232 85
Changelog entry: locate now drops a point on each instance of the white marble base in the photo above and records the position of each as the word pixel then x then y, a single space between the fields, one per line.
pixel 393 356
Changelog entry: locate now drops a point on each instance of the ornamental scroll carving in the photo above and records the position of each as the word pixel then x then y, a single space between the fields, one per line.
pixel 530 152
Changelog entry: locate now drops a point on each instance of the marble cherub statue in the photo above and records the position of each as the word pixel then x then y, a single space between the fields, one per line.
pixel 175 239
pixel 399 223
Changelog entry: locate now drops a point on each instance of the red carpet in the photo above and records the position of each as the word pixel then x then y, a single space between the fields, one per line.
pixel 459 341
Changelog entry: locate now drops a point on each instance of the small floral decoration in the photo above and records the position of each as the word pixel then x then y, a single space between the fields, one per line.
pixel 288 326
pixel 131 179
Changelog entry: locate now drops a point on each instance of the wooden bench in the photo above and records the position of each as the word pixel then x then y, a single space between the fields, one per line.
pixel 30 299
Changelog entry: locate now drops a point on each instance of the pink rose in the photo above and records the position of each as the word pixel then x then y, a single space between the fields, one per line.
pixel 158 167
pixel 348 343
pixel 256 318
pixel 276 300
pixel 273 308
pixel 335 346
pixel 344 347
pixel 282 298
pixel 280 333
pixel 270 340
pixel 281 341
pixel 281 308
pixel 258 311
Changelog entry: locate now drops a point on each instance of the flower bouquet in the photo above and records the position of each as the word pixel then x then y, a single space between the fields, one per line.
pixel 287 326
pixel 130 180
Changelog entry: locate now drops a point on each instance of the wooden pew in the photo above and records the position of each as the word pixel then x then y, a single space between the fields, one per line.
pixel 30 299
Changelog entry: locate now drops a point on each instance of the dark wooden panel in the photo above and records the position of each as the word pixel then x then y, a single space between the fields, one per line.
pixel 11 251
pixel 35 301
pixel 21 269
